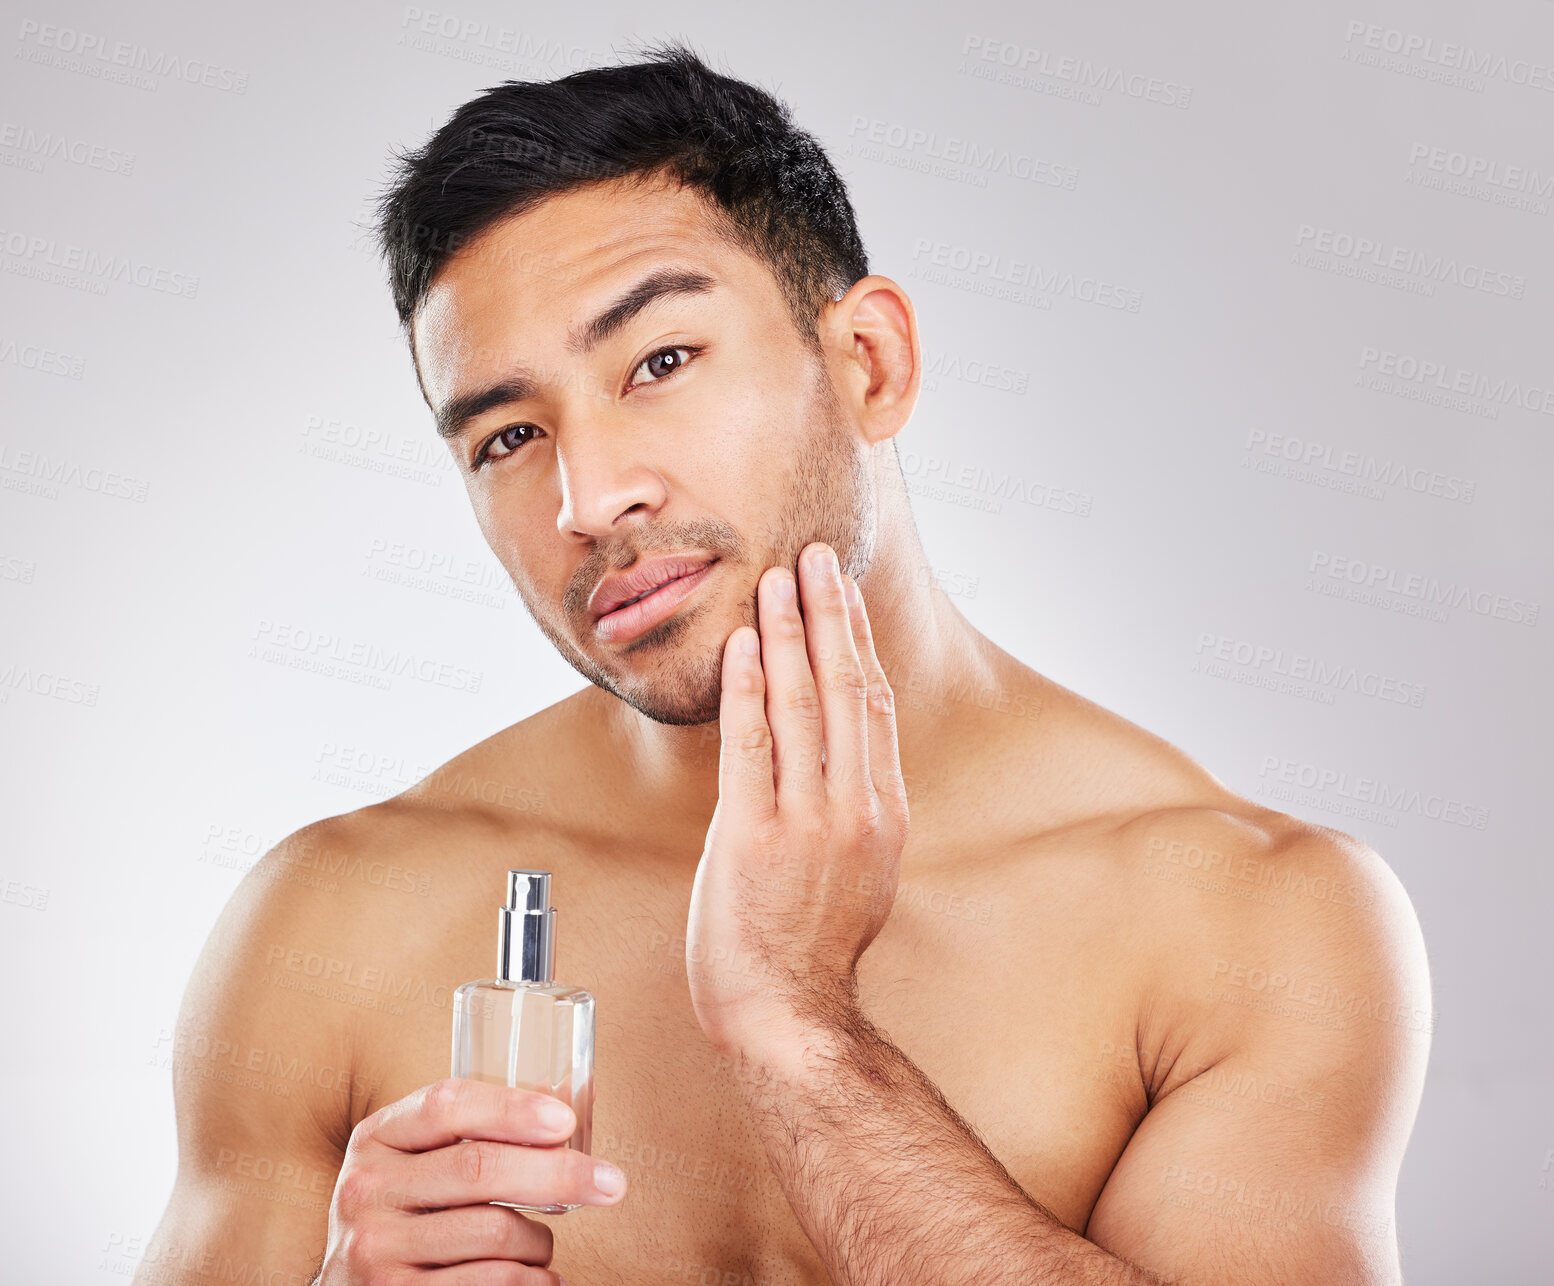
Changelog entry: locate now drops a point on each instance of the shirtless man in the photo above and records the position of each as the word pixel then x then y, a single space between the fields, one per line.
pixel 912 966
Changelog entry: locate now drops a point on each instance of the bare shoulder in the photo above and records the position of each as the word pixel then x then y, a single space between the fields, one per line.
pixel 292 958
pixel 340 943
pixel 337 896
pixel 260 993
pixel 1260 888
pixel 1193 829
pixel 267 1076
pixel 1241 920
pixel 1259 931
pixel 1278 994
pixel 511 775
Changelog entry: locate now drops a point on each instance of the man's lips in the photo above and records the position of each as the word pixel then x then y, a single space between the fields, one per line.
pixel 627 603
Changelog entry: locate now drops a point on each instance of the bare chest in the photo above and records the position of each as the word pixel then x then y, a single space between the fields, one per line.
pixel 996 1008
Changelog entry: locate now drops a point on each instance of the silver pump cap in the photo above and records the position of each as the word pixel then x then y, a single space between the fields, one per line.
pixel 526 939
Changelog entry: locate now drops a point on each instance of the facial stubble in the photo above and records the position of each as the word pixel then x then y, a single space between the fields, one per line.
pixel 829 497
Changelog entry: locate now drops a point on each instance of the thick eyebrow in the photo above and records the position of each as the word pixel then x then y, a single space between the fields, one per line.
pixel 518 385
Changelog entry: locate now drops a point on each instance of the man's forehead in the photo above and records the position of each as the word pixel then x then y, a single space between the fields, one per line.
pixel 569 239
pixel 558 260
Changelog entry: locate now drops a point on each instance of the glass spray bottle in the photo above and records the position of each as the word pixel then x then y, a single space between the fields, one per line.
pixel 523 1029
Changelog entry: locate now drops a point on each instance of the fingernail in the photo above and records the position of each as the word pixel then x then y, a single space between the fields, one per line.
pixel 555 1115
pixel 851 587
pixel 784 587
pixel 609 1180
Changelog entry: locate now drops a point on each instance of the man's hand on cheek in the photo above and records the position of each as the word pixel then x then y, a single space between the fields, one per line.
pixel 802 858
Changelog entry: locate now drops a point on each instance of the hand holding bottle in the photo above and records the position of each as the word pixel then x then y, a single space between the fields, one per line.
pixel 412 1195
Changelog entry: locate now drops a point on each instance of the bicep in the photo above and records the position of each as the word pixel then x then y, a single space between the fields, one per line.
pixel 262 1092
pixel 211 1233
pixel 1278 1164
pixel 1279 1161
pixel 1250 1174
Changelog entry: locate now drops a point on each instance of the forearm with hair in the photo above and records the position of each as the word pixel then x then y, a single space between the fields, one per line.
pixel 892 1187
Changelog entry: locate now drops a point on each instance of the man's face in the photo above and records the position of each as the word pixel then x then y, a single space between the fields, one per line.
pixel 698 424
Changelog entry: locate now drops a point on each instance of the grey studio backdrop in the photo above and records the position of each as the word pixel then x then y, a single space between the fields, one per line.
pixel 1236 419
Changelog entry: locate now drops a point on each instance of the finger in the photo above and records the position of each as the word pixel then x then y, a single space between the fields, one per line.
pixel 792 700
pixel 745 755
pixel 884 749
pixel 465 1174
pixel 437 1238
pixel 456 1108
pixel 833 659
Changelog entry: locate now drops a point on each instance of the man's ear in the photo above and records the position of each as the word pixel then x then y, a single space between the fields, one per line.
pixel 870 339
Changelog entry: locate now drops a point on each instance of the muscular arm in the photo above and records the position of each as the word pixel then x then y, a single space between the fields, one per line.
pixel 1293 1186
pixel 262 1088
pixel 892 1187
pixel 887 1182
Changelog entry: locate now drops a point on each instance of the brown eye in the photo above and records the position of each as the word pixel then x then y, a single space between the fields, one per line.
pixel 664 362
pixel 505 443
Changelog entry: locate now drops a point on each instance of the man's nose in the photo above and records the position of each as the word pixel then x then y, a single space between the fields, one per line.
pixel 604 476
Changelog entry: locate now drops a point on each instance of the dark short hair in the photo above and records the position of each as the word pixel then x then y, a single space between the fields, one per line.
pixel 670 115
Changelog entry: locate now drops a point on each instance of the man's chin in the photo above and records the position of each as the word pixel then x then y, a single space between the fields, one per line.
pixel 677 684
pixel 672 673
pixel 667 703
pixel 679 718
